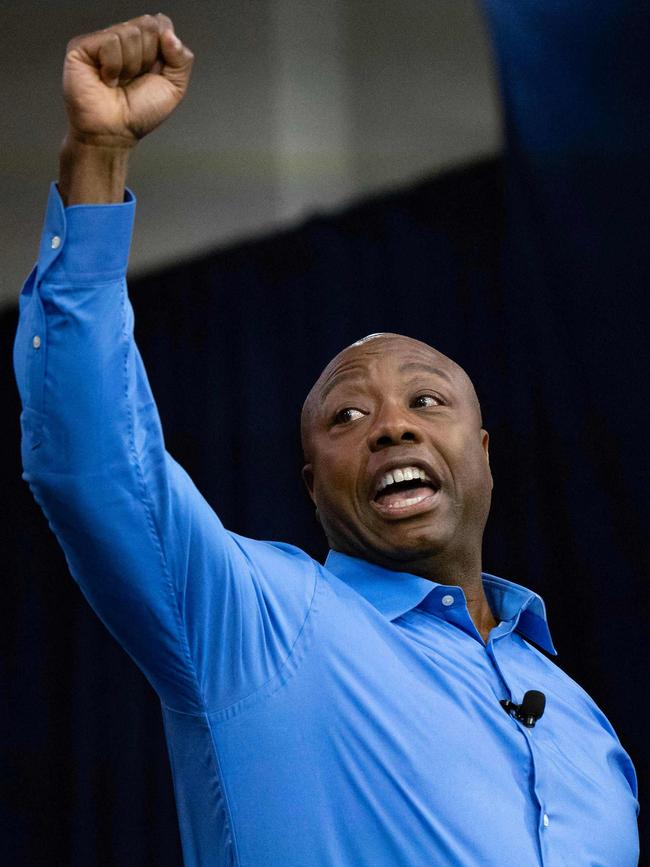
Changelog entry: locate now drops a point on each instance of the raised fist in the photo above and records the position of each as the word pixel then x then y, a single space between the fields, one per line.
pixel 122 82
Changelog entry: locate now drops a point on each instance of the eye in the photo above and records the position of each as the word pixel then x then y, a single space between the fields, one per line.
pixel 345 416
pixel 423 400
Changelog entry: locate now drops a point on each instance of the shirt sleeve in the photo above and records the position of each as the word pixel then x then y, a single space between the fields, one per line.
pixel 207 615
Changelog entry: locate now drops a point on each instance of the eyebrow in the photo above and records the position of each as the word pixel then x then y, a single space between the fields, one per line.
pixel 428 368
pixel 404 368
pixel 336 379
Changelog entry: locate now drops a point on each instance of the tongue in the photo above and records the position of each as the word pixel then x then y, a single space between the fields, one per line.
pixel 391 498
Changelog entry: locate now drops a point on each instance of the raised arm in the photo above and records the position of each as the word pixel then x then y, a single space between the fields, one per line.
pixel 194 605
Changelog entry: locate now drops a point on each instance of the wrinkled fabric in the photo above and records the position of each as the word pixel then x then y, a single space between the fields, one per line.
pixel 315 715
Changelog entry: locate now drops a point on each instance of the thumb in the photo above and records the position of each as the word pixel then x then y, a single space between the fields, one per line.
pixel 177 56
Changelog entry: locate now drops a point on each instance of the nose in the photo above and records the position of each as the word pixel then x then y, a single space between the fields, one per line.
pixel 392 426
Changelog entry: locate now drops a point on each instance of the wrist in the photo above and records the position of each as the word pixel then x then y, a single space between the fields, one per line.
pixel 92 173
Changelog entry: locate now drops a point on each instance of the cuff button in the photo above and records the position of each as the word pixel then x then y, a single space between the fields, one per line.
pixel 55 243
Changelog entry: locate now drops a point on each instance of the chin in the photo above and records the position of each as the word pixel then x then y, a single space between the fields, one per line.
pixel 402 541
pixel 407 545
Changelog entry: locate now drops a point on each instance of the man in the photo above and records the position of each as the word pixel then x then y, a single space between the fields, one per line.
pixel 346 714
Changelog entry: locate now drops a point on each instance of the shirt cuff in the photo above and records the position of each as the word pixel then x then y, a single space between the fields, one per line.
pixel 84 240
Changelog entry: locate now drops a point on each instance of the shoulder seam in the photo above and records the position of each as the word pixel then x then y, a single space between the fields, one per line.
pixel 149 513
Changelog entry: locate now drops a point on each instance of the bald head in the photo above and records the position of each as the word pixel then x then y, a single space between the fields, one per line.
pixel 414 352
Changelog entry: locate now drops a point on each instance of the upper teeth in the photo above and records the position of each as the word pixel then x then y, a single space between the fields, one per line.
pixel 404 474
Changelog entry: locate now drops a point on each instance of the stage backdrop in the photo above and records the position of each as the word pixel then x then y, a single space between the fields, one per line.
pixel 532 272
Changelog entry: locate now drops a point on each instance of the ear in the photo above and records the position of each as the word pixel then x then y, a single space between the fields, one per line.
pixel 485 444
pixel 308 479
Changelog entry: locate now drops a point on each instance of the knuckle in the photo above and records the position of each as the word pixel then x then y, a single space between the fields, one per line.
pixel 131 32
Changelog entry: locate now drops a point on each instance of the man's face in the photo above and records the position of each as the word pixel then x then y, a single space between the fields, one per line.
pixel 397 459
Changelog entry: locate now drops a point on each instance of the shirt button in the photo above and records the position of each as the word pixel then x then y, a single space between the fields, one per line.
pixel 545 820
pixel 447 600
pixel 36 341
pixel 55 243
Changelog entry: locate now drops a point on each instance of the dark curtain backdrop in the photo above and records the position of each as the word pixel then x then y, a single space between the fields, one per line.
pixel 532 271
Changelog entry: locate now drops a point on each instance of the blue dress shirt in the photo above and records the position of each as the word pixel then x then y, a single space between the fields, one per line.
pixel 316 716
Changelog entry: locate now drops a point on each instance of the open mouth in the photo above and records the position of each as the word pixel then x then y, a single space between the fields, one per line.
pixel 406 490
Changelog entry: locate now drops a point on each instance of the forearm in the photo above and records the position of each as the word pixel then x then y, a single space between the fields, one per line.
pixel 74 347
pixel 91 173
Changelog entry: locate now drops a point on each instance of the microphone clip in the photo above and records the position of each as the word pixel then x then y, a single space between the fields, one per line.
pixel 529 711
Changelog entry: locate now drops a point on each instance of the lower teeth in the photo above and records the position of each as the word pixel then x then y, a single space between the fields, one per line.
pixel 400 504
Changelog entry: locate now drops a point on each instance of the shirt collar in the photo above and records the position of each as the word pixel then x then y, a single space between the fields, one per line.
pixel 394 593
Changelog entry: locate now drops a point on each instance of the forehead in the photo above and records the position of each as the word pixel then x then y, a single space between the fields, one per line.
pixel 395 355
